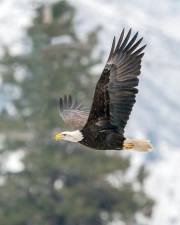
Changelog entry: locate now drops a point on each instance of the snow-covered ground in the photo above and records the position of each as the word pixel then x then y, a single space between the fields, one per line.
pixel 157 111
pixel 164 186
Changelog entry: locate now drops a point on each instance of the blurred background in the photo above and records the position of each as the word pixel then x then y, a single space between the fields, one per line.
pixel 49 48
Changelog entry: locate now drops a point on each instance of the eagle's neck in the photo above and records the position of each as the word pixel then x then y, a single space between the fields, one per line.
pixel 74 136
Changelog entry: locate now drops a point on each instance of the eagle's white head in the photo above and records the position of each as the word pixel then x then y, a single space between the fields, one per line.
pixel 73 136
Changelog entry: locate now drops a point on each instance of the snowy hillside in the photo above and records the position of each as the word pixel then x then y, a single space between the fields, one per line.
pixel 164 185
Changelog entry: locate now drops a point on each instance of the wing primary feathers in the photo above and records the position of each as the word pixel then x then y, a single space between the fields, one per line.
pixel 135 46
pixel 125 41
pixel 65 101
pixel 75 104
pixel 69 101
pixel 131 42
pixel 132 62
pixel 120 41
pixel 136 53
pixel 124 71
pixel 61 104
pixel 112 48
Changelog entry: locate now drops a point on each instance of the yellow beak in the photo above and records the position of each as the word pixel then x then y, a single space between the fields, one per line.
pixel 58 137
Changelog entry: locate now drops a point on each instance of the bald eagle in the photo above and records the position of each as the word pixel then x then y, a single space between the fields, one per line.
pixel 103 127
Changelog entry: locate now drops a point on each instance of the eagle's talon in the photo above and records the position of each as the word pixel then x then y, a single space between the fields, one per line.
pixel 128 146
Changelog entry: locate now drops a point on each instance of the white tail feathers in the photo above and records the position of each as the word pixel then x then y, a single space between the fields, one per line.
pixel 140 145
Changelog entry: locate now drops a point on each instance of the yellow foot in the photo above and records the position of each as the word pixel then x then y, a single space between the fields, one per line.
pixel 128 146
pixel 140 145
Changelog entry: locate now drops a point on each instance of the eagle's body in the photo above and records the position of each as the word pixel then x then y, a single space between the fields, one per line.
pixel 102 135
pixel 103 127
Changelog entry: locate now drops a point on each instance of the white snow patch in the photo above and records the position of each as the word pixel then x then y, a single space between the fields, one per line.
pixel 163 185
pixel 12 161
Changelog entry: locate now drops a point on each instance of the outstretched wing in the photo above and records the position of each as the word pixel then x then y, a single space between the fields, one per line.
pixel 125 66
pixel 100 103
pixel 72 113
pixel 116 89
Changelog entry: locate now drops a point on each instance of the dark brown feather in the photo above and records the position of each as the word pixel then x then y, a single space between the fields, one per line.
pixel 125 68
pixel 116 89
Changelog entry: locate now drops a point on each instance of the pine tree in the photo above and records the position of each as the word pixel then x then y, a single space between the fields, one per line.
pixel 60 184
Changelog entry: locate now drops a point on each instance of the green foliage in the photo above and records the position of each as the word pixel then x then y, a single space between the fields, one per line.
pixel 61 184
